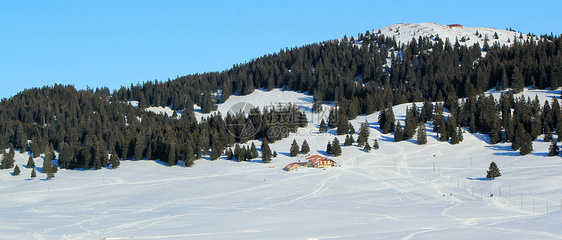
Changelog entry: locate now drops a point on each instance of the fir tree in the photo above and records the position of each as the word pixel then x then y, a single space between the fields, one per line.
pixel 253 151
pixel 216 152
pixel 398 132
pixel 229 154
pixel 30 162
pixel 376 145
pixel 364 133
pixel 33 173
pixel 493 171
pixel 47 162
pixel 351 129
pixel 526 145
pixel 266 151
pixel 16 170
pixel 294 151
pixel 329 148
pixel 274 154
pixel 367 147
pixel 305 148
pixel 115 161
pixel 348 140
pixel 343 126
pixel 553 150
pixel 323 128
pixel 172 155
pixel 238 153
pixel 336 149
pixel 422 135
pixel 547 134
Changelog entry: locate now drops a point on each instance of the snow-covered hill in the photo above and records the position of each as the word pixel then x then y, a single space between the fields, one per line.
pixel 404 32
pixel 401 191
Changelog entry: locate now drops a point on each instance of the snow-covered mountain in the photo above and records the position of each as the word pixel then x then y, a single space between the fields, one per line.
pixel 404 32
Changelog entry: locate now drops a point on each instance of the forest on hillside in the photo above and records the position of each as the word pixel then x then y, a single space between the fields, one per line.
pixel 364 74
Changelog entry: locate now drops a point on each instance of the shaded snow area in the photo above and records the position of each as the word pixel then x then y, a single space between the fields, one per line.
pixel 404 32
pixel 401 191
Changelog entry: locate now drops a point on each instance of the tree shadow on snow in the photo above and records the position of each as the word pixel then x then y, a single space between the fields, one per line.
pixel 503 150
pixel 480 179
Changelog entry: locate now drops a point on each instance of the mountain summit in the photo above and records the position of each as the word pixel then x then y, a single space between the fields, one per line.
pixel 404 32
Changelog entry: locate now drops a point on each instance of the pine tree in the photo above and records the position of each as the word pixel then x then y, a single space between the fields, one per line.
pixel 351 129
pixel 367 147
pixel 17 170
pixel 47 162
pixel 274 154
pixel 493 171
pixel 115 161
pixel 305 148
pixel 336 149
pixel 422 135
pixel 323 128
pixel 254 151
pixel 33 173
pixel 171 155
pixel 343 126
pixel 398 132
pixel 348 140
pixel 526 145
pixel 238 153
pixel 229 154
pixel 547 134
pixel 329 148
pixel 553 150
pixel 266 151
pixel 294 151
pixel 364 133
pixel 376 145
pixel 30 162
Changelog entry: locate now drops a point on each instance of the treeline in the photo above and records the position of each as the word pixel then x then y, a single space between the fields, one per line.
pixel 85 127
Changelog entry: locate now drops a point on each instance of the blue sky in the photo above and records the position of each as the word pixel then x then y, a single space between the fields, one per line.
pixel 114 43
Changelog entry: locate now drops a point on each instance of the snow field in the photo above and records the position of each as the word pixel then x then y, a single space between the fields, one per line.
pixel 390 193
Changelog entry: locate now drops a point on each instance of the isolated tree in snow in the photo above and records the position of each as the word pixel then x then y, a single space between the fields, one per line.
pixel 367 147
pixel 30 162
pixel 493 171
pixel 265 151
pixel 17 170
pixel 305 148
pixel 33 173
pixel 553 150
pixel 376 145
pixel 294 151
pixel 323 128
pixel 274 154
pixel 348 140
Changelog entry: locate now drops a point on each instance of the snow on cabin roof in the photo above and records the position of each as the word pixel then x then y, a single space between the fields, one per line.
pixel 317 158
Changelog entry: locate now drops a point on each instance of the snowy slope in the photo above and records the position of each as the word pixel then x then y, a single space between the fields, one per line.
pixel 401 191
pixel 404 32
